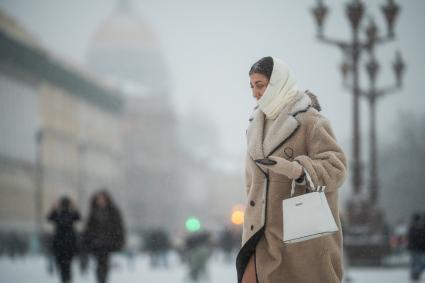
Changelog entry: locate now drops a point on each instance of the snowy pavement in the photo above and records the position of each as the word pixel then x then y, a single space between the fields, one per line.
pixel 34 270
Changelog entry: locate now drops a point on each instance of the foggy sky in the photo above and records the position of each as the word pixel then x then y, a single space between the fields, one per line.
pixel 209 47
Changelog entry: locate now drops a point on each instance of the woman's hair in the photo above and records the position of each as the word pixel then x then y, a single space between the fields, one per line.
pixel 263 66
pixel 102 192
pixel 314 101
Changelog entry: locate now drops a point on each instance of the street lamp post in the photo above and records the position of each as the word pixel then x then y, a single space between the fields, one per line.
pixel 352 51
pixel 364 218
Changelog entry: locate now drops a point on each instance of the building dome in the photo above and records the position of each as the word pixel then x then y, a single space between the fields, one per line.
pixel 124 51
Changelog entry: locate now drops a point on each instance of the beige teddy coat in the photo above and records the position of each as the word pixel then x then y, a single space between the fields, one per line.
pixel 299 133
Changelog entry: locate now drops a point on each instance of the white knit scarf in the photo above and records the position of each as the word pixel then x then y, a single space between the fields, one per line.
pixel 280 91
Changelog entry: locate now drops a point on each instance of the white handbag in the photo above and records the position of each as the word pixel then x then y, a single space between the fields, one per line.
pixel 307 216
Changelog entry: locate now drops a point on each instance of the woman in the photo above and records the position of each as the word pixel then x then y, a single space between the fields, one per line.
pixel 64 245
pixel 104 232
pixel 287 127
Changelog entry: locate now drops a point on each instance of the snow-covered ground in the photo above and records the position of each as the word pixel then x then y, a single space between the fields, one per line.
pixel 34 270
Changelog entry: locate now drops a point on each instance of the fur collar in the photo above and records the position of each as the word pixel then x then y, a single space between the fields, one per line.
pixel 283 126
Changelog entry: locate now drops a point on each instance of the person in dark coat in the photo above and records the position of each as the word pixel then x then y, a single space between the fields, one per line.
pixel 416 246
pixel 64 243
pixel 157 244
pixel 104 232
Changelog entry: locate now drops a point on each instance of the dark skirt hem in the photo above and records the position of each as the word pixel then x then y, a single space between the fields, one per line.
pixel 246 252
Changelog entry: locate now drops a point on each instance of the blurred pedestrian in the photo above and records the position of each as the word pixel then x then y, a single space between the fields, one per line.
pixel 157 244
pixel 287 138
pixel 104 232
pixel 416 246
pixel 64 243
pixel 197 252
pixel 16 244
pixel 227 243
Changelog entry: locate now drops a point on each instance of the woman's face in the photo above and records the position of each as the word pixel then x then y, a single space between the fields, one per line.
pixel 101 201
pixel 258 84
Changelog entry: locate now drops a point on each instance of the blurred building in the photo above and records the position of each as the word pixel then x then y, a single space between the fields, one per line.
pixel 125 52
pixel 60 132
pixel 168 175
pixel 156 196
pixel 67 131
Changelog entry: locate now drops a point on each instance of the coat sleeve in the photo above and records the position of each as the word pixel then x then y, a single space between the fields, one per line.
pixel 325 161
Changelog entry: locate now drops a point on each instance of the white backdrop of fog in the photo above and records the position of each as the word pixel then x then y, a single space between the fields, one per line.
pixel 210 45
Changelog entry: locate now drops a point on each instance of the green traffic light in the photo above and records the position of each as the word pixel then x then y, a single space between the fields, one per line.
pixel 193 224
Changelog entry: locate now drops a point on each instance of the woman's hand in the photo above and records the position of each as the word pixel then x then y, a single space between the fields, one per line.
pixel 291 169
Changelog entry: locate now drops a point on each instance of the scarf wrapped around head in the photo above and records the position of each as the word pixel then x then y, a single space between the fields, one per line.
pixel 280 91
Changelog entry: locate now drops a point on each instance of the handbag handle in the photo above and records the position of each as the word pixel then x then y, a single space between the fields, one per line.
pixel 309 184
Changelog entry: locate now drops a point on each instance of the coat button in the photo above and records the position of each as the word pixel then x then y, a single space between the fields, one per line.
pixel 252 203
pixel 252 227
